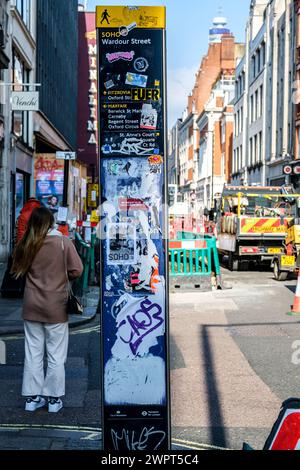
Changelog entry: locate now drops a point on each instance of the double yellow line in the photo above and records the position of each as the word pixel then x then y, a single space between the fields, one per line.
pixel 92 329
pixel 93 433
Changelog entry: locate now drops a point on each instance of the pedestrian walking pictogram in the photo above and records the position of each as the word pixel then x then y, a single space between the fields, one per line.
pixel 105 16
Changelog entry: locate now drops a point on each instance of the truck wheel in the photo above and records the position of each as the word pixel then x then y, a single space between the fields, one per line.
pixel 279 275
pixel 233 263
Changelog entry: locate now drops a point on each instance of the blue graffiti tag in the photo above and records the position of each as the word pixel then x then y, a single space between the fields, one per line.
pixel 142 323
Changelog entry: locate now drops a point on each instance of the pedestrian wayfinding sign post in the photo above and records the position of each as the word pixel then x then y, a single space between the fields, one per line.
pixel 134 264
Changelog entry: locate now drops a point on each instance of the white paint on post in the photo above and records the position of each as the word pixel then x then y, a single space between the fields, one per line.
pixel 2 352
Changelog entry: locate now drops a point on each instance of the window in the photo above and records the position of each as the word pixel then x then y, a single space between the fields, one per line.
pixel 255 149
pixel 261 95
pixel 20 119
pixel 24 8
pixel 242 119
pixel 256 105
pixel 258 61
pixel 236 89
pixel 260 147
pixel 251 151
pixel 251 110
pixel 235 125
pixel 241 157
pixel 253 66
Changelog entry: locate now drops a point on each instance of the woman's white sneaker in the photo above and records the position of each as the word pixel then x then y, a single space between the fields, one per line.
pixel 32 404
pixel 54 405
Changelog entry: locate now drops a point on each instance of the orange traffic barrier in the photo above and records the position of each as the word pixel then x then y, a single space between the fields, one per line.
pixel 296 305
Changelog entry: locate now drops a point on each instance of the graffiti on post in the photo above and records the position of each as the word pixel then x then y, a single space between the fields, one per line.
pixel 148 437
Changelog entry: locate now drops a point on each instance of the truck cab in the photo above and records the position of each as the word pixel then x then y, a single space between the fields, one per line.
pixel 252 222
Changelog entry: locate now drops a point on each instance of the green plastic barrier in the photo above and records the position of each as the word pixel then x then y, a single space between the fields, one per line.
pixel 92 258
pixel 187 236
pixel 84 251
pixel 196 261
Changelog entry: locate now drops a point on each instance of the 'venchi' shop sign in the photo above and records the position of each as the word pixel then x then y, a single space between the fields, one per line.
pixel 25 101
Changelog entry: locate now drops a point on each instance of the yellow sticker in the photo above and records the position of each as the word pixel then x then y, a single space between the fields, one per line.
pixel 127 18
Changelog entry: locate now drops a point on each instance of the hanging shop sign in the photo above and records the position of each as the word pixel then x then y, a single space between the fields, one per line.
pixel 25 101
pixel 134 312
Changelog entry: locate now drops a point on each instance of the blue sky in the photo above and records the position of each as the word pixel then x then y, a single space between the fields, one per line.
pixel 188 22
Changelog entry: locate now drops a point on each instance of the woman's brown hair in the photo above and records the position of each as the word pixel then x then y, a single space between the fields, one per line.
pixel 41 220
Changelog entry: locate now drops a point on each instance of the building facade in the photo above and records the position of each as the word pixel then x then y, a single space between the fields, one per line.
pixel 173 155
pixel 5 127
pixel 19 34
pixel 196 154
pixel 35 39
pixel 263 107
pixel 57 66
pixel 87 123
pixel 56 122
pixel 215 125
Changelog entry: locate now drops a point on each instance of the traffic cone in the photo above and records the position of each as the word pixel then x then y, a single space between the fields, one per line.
pixel 296 305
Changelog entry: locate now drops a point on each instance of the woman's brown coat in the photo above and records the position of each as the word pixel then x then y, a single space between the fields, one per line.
pixel 46 291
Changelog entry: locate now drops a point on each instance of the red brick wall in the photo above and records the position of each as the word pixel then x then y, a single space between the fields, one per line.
pixel 190 174
pixel 220 56
pixel 217 149
pixel 228 150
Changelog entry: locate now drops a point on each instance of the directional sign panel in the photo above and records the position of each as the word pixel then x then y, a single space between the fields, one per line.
pixel 134 313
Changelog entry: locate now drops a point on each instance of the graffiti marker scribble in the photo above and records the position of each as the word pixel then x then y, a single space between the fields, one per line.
pixel 134 441
pixel 141 324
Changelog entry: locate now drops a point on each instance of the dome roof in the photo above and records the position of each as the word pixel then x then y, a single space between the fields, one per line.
pixel 220 20
pixel 218 29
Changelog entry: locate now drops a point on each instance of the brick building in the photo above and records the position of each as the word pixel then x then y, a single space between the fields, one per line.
pixel 218 64
pixel 215 125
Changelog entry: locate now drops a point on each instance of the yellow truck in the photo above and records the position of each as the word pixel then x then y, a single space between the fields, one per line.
pixel 252 222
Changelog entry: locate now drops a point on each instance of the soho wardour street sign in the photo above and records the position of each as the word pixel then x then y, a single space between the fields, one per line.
pixel 134 264
pixel 25 101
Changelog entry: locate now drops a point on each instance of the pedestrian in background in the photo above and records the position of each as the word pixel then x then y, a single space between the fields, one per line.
pixel 47 258
pixel 26 211
pixel 12 287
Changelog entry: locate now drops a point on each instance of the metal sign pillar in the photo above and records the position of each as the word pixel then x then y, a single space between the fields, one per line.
pixel 134 254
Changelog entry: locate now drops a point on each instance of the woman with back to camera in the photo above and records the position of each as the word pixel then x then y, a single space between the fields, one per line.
pixel 46 257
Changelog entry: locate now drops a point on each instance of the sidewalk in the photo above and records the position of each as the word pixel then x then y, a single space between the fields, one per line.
pixel 11 312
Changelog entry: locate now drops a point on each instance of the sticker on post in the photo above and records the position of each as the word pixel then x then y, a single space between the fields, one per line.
pixel 124 30
pixel 112 80
pixel 141 64
pixel 115 56
pixel 109 84
pixel 148 117
pixel 121 244
pixel 135 79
